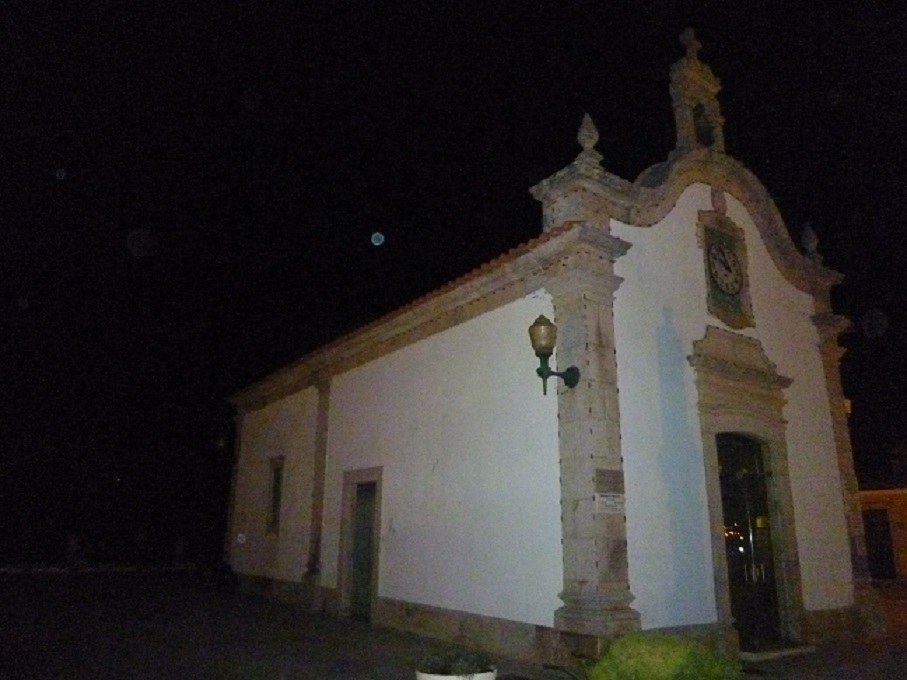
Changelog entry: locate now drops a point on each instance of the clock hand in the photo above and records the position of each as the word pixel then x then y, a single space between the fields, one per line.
pixel 720 262
pixel 722 255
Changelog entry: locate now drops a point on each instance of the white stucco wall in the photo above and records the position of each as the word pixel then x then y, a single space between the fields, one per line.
pixel 468 446
pixel 658 314
pixel 660 310
pixel 284 428
pixel 789 338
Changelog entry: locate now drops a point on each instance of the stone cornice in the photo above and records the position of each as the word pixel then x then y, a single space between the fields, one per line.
pixel 831 325
pixel 649 199
pixel 735 372
pixel 519 272
pixel 611 188
pixel 727 174
pixel 735 357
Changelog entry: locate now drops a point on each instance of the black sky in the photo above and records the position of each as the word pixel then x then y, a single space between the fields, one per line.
pixel 189 190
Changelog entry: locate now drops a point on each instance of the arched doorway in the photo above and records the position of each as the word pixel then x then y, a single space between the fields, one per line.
pixel 749 547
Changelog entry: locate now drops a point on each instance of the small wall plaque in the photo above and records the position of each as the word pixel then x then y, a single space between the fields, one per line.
pixel 609 503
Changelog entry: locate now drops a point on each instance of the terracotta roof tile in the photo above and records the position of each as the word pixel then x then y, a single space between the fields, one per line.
pixel 472 274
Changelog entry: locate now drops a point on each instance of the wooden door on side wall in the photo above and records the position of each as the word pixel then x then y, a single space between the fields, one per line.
pixel 748 540
pixel 363 562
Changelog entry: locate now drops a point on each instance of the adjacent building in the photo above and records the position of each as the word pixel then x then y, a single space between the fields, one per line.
pixel 885 523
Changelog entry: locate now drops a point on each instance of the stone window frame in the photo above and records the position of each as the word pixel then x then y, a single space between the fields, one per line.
pixel 276 476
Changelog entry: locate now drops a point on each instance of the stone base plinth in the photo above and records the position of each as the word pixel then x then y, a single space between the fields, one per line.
pixel 597 614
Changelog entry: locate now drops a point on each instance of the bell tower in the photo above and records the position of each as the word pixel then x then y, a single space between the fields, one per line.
pixel 694 91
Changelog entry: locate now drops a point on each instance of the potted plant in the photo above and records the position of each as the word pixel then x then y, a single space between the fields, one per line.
pixel 457 664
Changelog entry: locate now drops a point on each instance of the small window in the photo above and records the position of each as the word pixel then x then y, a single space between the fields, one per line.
pixel 276 488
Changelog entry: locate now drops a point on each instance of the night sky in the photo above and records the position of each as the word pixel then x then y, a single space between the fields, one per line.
pixel 190 190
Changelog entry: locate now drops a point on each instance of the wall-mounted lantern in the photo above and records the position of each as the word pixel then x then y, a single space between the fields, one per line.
pixel 543 336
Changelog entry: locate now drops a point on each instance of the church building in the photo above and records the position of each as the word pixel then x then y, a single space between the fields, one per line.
pixel 686 466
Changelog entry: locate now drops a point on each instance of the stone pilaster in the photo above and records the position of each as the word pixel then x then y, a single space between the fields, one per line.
pixel 596 592
pixel 583 191
pixel 830 326
pixel 238 415
pixel 313 563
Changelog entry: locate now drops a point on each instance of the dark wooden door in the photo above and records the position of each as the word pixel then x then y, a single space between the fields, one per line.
pixel 363 551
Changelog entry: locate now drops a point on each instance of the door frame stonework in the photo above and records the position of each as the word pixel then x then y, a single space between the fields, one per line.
pixel 759 606
pixel 740 391
pixel 351 480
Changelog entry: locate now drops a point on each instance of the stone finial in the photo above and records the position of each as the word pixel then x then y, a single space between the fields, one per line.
pixel 588 133
pixel 688 40
pixel 587 136
pixel 810 242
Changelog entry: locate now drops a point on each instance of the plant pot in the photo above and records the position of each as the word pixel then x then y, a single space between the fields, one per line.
pixel 488 675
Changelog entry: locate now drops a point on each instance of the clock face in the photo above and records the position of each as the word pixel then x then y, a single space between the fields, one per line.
pixel 725 269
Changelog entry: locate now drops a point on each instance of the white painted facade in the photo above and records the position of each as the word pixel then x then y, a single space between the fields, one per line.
pixel 785 328
pixel 285 428
pixel 660 311
pixel 471 473
pixel 468 448
pixel 657 319
pixel 470 516
pixel 489 490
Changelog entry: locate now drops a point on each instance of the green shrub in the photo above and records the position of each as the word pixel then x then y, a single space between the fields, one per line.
pixel 655 656
pixel 455 662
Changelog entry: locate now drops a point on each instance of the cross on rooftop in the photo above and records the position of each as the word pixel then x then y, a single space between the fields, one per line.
pixel 688 40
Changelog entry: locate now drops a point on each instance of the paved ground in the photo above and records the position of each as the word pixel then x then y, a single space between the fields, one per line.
pixel 884 657
pixel 165 626
pixel 132 626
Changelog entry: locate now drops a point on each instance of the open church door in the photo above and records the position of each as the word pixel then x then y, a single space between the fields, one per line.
pixel 748 540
